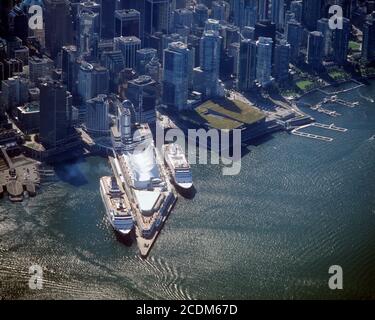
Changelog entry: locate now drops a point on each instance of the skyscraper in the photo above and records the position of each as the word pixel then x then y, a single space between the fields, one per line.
pixel 68 60
pixel 94 7
pixel 264 61
pixel 143 94
pixel 278 13
pixel 88 32
pixel 368 46
pixel 143 57
pixel 294 37
pixel 92 81
pixel 157 16
pixel 177 65
pixel 18 23
pixel 323 27
pixel 58 25
pixel 127 23
pixel 263 9
pixel 220 10
pixel 247 64
pixel 315 50
pixel 282 60
pixel 200 15
pixel 297 8
pixel 128 47
pixel 39 67
pixel 97 116
pixel 311 13
pixel 250 13
pixel 107 21
pixel 341 42
pixel 55 114
pixel 210 52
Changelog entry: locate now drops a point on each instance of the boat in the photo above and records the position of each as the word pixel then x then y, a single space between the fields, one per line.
pixel 149 188
pixel 117 207
pixel 179 167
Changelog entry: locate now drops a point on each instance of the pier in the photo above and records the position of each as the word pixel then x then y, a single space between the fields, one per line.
pixel 335 99
pixel 332 127
pixel 329 127
pixel 357 86
pixel 311 136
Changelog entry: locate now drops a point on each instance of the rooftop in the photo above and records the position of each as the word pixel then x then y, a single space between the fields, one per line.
pixel 227 114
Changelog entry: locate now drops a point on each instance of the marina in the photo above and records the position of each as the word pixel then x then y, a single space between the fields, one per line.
pixel 311 136
pixel 332 127
pixel 329 127
pixel 355 87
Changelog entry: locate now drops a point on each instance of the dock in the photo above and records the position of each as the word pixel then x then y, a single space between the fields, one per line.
pixel 332 127
pixel 144 244
pixel 311 136
pixel 357 86
pixel 329 127
pixel 328 112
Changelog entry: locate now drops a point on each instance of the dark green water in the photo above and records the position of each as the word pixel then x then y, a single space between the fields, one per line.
pixel 298 207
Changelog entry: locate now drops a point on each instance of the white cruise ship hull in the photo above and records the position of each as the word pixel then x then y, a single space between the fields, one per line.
pixel 122 226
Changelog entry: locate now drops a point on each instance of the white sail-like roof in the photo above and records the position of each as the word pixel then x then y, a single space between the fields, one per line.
pixel 144 166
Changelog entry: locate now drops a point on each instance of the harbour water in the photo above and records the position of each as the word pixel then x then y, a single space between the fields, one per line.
pixel 298 207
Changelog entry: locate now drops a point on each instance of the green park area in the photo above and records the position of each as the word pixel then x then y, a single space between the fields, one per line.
pixel 224 114
pixel 338 74
pixel 354 46
pixel 305 85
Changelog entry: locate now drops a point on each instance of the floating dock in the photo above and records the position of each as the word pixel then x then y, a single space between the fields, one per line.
pixel 312 136
pixel 329 127
pixel 296 131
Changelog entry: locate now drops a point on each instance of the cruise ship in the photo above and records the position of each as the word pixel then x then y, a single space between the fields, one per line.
pixel 146 184
pixel 178 166
pixel 117 207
